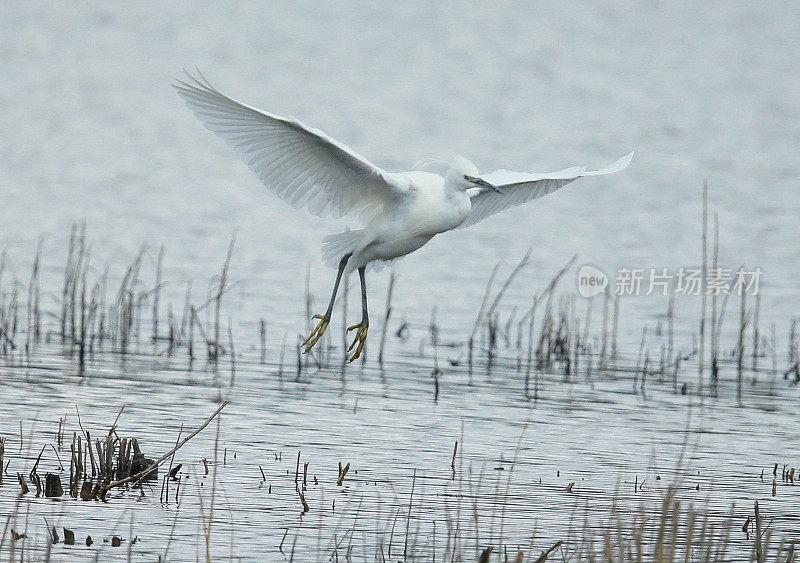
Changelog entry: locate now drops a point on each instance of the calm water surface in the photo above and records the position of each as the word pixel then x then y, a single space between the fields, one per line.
pixel 93 131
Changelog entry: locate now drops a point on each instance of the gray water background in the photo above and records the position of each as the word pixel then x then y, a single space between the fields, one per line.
pixel 92 130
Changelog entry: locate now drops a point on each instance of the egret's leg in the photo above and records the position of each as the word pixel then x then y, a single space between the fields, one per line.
pixel 361 334
pixel 319 330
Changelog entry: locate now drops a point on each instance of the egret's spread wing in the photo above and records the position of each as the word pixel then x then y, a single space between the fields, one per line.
pixel 519 187
pixel 304 166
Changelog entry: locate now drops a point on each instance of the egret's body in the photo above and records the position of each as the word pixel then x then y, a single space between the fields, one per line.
pixel 400 211
pixel 433 208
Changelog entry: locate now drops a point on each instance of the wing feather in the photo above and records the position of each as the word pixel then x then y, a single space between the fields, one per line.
pixel 302 165
pixel 521 187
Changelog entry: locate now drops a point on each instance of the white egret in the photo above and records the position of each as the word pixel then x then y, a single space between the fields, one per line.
pixel 400 211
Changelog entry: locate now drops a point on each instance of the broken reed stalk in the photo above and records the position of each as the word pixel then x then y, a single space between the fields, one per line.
pixel 585 339
pixel 262 333
pixel 704 273
pixel 433 329
pixel 157 292
pixel 756 332
pixel 530 351
pixel 740 346
pixel 210 519
pixel 491 330
pixel 545 347
pixel 223 281
pixel 387 314
pixel 170 471
pixel 84 320
pixel 408 514
pixel 507 330
pixel 97 304
pixel 22 484
pixel 517 269
pixel 714 340
pixel 563 336
pixel 202 332
pixel 491 318
pixel 523 321
pixel 297 471
pixel 78 275
pixel 283 353
pixel 303 502
pixel 759 549
pixel 639 358
pixel 113 428
pixel 124 308
pixel 138 476
pixel 298 349
pixel 342 474
pixel 33 331
pixel 192 316
pixel 232 352
pixel 774 346
pixel 185 315
pixel 68 275
pixel 546 553
pixel 670 327
pixel 486 293
pixel 172 333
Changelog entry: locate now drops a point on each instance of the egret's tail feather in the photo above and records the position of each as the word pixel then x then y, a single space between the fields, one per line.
pixel 379 265
pixel 336 246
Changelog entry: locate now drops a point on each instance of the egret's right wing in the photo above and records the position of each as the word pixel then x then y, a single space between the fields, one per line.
pixel 520 187
pixel 304 166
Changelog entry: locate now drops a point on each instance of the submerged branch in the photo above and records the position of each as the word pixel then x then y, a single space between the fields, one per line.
pixel 163 458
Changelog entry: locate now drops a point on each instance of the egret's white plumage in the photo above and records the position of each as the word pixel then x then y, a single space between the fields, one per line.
pixel 400 211
pixel 300 164
pixel 521 187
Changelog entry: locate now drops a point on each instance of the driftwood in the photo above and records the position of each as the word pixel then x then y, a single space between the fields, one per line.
pixel 141 474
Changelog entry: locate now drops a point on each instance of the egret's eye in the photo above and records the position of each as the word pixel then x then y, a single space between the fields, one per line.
pixel 467 177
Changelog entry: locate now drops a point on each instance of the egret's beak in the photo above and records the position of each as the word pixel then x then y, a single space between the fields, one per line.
pixel 484 184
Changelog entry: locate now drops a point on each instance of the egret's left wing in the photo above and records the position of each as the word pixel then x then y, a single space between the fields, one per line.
pixel 520 187
pixel 301 165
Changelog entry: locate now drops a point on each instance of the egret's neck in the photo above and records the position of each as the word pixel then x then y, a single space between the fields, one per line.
pixel 455 192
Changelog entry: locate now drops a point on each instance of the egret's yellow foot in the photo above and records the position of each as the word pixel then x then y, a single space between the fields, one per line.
pixel 360 339
pixel 317 333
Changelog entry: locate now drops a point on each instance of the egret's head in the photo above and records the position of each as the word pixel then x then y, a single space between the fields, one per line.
pixel 463 175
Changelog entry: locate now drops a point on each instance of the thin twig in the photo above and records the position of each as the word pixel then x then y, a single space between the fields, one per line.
pixel 159 461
